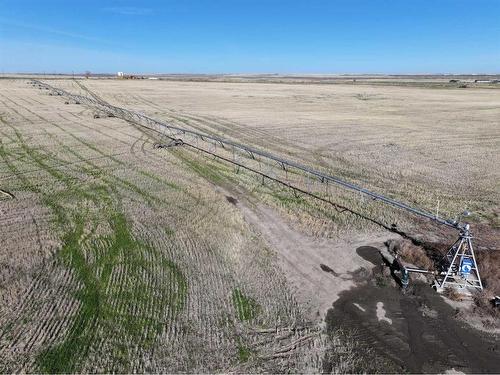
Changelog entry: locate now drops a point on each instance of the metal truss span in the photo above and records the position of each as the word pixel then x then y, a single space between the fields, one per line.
pixel 251 153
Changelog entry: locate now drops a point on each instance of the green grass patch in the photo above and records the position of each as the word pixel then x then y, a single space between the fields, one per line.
pixel 99 301
pixel 289 199
pixel 246 308
pixel 124 312
pixel 244 353
pixel 169 232
pixel 176 301
pixel 160 180
pixel 203 169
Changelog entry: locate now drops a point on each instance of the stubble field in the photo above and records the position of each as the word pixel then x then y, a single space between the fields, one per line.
pixel 418 144
pixel 117 256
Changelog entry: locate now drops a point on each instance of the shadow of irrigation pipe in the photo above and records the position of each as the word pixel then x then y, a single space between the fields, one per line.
pixel 5 193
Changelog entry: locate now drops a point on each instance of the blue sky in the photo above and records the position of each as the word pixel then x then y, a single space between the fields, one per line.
pixel 243 36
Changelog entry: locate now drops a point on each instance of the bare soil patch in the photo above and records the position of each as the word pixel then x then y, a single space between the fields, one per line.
pixel 422 335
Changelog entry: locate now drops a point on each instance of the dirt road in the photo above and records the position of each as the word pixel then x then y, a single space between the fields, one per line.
pixel 317 269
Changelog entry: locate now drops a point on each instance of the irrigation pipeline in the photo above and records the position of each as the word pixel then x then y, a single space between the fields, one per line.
pixel 296 189
pixel 161 127
pixel 92 94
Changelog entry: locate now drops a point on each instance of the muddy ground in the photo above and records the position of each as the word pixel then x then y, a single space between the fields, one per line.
pixel 414 331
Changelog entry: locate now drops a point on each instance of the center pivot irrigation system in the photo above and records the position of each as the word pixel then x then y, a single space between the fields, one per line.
pixel 459 267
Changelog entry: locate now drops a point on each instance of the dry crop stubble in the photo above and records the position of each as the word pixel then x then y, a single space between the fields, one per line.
pixel 432 148
pixel 418 144
pixel 183 282
pixel 149 268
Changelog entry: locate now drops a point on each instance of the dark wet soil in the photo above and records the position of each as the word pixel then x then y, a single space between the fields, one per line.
pixel 327 269
pixel 231 200
pixel 369 253
pixel 424 336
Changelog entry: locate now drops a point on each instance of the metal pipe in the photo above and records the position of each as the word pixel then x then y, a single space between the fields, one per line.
pixel 127 115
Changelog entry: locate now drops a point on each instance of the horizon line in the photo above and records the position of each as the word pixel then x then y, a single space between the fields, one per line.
pixel 352 74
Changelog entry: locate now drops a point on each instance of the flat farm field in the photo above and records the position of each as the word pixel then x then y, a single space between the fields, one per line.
pixel 119 256
pixel 420 145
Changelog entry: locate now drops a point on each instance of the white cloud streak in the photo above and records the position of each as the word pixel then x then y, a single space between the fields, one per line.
pixel 129 11
pixel 50 30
